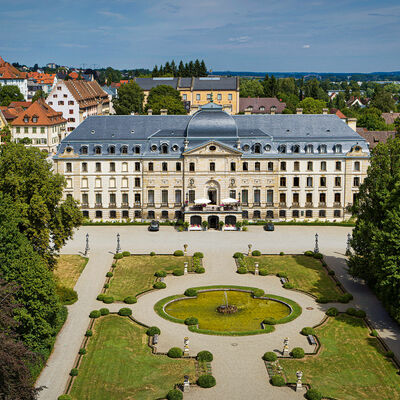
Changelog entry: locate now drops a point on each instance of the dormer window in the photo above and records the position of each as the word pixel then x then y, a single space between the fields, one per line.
pixel 84 150
pixel 124 150
pixel 262 108
pixel 246 147
pixel 26 119
pixel 35 119
pixel 322 148
pixel 282 148
pixel 296 148
pixel 267 147
pixel 309 148
pixel 212 148
pixel 175 147
pixel 257 148
pixel 164 148
pixel 97 150
pixel 338 148
pixel 137 149
pixel 153 147
pixel 111 149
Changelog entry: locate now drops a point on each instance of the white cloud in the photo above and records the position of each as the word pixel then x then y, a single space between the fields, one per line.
pixel 306 46
pixel 240 39
pixel 74 45
pixel 111 14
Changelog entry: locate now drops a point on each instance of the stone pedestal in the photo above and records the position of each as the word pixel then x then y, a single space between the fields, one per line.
pixel 256 270
pixel 285 351
pixel 299 385
pixel 186 384
pixel 185 246
pixel 185 268
pixel 249 252
pixel 186 346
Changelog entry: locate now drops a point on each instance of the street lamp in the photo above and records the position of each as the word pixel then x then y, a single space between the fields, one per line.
pixel 87 244
pixel 118 244
pixel 316 248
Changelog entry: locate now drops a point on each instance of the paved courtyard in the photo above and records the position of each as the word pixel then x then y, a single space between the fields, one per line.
pixel 237 365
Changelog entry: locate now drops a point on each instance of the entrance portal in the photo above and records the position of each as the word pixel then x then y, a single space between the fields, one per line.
pixel 213 221
pixel 212 196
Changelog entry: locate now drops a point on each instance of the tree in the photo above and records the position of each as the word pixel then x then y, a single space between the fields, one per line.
pixel 371 118
pixel 376 236
pixel 27 177
pixel 9 93
pixel 383 100
pixel 251 88
pixel 397 126
pixel 165 97
pixel 312 106
pixel 40 94
pixel 130 99
pixel 5 134
pixel 203 69
pixel 163 90
pixel 181 69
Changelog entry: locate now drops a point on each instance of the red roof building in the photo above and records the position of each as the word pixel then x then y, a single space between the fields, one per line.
pixel 261 105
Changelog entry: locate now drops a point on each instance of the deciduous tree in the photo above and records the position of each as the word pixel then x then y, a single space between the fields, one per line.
pixel 130 99
pixel 9 93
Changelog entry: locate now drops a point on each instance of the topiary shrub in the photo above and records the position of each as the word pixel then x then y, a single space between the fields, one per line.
pixel 277 380
pixel 74 372
pixel 360 314
pixel 324 263
pixel 200 270
pixel 104 311
pixel 153 330
pixel 269 321
pixel 323 300
pixel 113 265
pixel 106 285
pixel 331 272
pixel 161 274
pixel 309 253
pixel 258 292
pixel 307 331
pixel 238 255
pixel 269 356
pixel 175 394
pixel 281 253
pixel 206 381
pixel 242 270
pixel 297 352
pixel 125 312
pixel 126 253
pixel 204 356
pixel 89 333
pixel 332 312
pixel 109 274
pixel 191 321
pixel 191 292
pixel 64 397
pixel 351 311
pixel 130 300
pixel 345 298
pixel 282 274
pixel 108 299
pixel 178 253
pixel 288 285
pixel 159 285
pixel 101 296
pixel 263 272
pixel 175 352
pixel 118 256
pixel 178 272
pixel 256 253
pixel 374 333
pixel 152 253
pixel 313 394
pixel 95 314
pixel 66 295
pixel 82 351
pixel 318 256
pixel 389 354
pixel 198 254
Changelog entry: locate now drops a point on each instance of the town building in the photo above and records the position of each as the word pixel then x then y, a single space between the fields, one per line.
pixel 41 124
pixel 390 117
pixel 77 100
pixel 261 105
pixel 244 166
pixel 375 137
pixel 9 75
pixel 40 81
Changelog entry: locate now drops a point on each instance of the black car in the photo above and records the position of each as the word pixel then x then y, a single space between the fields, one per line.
pixel 269 226
pixel 154 226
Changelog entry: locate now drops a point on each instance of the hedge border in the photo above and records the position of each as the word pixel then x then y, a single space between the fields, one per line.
pixel 296 310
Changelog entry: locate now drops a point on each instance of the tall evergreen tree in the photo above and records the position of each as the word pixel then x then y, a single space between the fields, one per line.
pixel 155 71
pixel 203 68
pixel 173 68
pixel 191 69
pixel 181 69
pixel 167 68
pixel 197 68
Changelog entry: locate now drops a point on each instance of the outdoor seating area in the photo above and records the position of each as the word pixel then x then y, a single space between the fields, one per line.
pixel 195 228
pixel 230 228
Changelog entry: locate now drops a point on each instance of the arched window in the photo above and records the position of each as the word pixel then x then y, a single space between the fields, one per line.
pixel 257 148
pixel 296 148
pixel 246 147
pixel 124 150
pixel 151 166
pixel 124 182
pixel 137 149
pixel 84 150
pixel 245 166
pixel 84 182
pixel 153 147
pixel 257 166
pixel 97 150
pixel 124 167
pixel 111 149
pixel 322 148
pixel 267 147
pixel 112 183
pixel 282 148
pixel 338 148
pixel 309 148
pixel 270 166
pixel 164 148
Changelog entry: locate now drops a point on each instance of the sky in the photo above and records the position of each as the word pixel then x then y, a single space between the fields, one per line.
pixel 236 35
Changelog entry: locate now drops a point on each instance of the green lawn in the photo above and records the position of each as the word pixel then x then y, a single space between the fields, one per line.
pixel 351 365
pixel 305 273
pixel 119 365
pixel 69 268
pixel 135 274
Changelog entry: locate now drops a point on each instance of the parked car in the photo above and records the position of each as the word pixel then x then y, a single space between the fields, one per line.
pixel 154 226
pixel 269 226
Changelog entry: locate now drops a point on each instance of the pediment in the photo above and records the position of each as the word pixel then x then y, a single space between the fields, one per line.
pixel 207 149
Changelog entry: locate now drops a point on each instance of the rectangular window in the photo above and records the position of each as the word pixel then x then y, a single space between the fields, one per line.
pixel 212 166
pixel 337 197
pixel 219 96
pixel 137 199
pixel 245 196
pixel 295 198
pixel 296 166
pixel 209 96
pixel 322 181
pixel 137 182
pixel 233 166
pixel 338 181
pixel 192 196
pixel 283 166
pixel 98 167
pixel 164 196
pixel 124 199
pixel 191 167
pixel 323 165
pixel 282 182
pixel 356 181
pixel 229 96
pixel 164 166
pixel 309 198
pixel 150 196
pixel 112 199
pixel 26 130
pixel 322 198
pixel 34 129
pixel 42 130
pixel 112 166
pixel 309 166
pixel 338 166
pixel 84 167
pixel 71 111
pixel 178 166
pixel 232 194
pixel 282 198
pixel 270 196
pixel 68 167
pixel 184 97
pixel 85 199
pixel 257 196
pixel 98 199
pixel 309 181
pixel 151 166
pixel 296 181
pixel 178 196
pixel 137 166
pixel 198 97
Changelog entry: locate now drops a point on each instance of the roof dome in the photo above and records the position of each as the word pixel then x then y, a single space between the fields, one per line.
pixel 211 122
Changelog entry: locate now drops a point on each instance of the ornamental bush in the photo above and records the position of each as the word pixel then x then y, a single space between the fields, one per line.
pixel 297 352
pixel 74 372
pixel 113 265
pixel 126 253
pixel 307 331
pixel 242 270
pixel 323 300
pixel 159 285
pixel 374 333
pixel 356 313
pixel 101 296
pixel 64 397
pixel 178 253
pixel 198 254
pixel 331 272
pixel 206 381
pixel 389 354
pixel 313 394
pixel 106 285
pixel 66 295
pixel 309 253
pixel 238 255
pixel 256 253
pixel 270 356
pixel 191 292
pixel 288 285
pixel 130 300
pixel 175 352
pixel 282 274
pixel 323 262
pixel 161 274
pixel 318 256
pixel 153 330
pixel 109 274
pixel 118 256
pixel 191 321
pixel 175 394
pixel 345 298
pixel 125 312
pixel 95 314
pixel 82 351
pixel 281 253
pixel 258 292
pixel 200 270
pixel 360 314
pixel 205 356
pixel 263 272
pixel 89 333
pixel 332 312
pixel 108 299
pixel 104 311
pixel 152 253
pixel 177 272
pixel 269 321
pixel 277 380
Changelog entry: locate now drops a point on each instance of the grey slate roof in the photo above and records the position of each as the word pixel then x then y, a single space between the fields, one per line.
pixel 150 83
pixel 206 83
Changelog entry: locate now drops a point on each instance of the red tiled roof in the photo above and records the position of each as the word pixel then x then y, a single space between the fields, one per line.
pixel 44 113
pixel 7 71
pixel 375 137
pixel 23 104
pixel 74 75
pixel 257 102
pixel 87 93
pixel 11 113
pixel 390 117
pixel 337 112
pixel 46 79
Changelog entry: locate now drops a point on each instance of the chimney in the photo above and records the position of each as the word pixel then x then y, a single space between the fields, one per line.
pixel 299 111
pixel 238 144
pixel 352 123
pixel 247 111
pixel 149 111
pixel 325 111
pixel 273 110
pixel 163 111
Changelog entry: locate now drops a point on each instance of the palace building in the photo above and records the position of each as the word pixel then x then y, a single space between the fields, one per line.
pixel 212 166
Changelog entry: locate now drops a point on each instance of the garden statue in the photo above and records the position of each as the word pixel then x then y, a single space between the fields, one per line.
pixel 256 270
pixel 185 268
pixel 286 346
pixel 185 246
pixel 186 383
pixel 299 385
pixel 249 252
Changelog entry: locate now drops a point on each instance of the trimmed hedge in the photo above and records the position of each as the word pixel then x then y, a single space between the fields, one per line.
pixel 318 256
pixel 178 253
pixel 177 272
pixel 191 321
pixel 66 295
pixel 309 253
pixel 313 394
pixel 175 394
pixel 288 285
pixel 109 274
pixel 106 285
pixel 153 330
pixel 113 265
pixel 282 274
pixel 101 296
pixel 125 312
pixel 118 256
pixel 200 270
pixel 126 253
pixel 345 298
pixel 269 321
pixel 238 255
pixel 277 380
pixel 82 351
pixel 323 300
pixel 104 311
pixel 64 397
pixel 130 300
pixel 190 292
pixel 95 314
pixel 270 356
pixel 205 356
pixel 161 274
pixel 263 272
pixel 297 352
pixel 74 372
pixel 198 254
pixel 159 285
pixel 206 381
pixel 89 333
pixel 152 253
pixel 356 313
pixel 256 253
pixel 307 331
pixel 258 293
pixel 108 299
pixel 332 312
pixel 331 272
pixel 175 352
pixel 242 270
